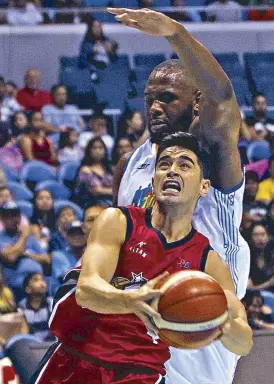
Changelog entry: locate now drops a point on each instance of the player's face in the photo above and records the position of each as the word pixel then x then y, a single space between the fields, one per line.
pixel 178 179
pixel 168 104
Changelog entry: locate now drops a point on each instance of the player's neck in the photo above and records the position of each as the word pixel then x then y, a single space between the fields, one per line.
pixel 175 223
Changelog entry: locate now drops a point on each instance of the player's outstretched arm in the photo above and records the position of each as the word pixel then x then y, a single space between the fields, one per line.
pixel 220 118
pixel 100 260
pixel 237 334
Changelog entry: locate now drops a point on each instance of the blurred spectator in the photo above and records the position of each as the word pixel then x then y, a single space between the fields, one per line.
pixel 65 217
pixel 183 16
pixel 31 97
pixel 262 259
pixel 20 252
pixel 22 12
pixel 43 220
pixel 266 187
pixel 8 105
pixel 145 3
pixel 132 126
pixel 256 209
pixel 11 89
pixel 97 127
pixel 259 124
pixel 94 179
pixel 97 51
pixel 35 145
pixel 10 154
pixel 5 197
pixel 258 315
pixel 224 11
pixel 60 114
pixel 270 218
pixel 7 302
pixel 36 306
pixel 261 15
pixel 63 17
pixel 64 260
pixel 122 146
pixel 69 149
pixel 90 215
pixel 19 124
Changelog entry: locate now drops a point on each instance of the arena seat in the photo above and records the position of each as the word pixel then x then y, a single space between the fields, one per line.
pixel 20 191
pixel 265 85
pixel 26 208
pixel 10 173
pixel 76 79
pixel 34 171
pixel 269 300
pixel 67 173
pixel 103 17
pixel 148 60
pixel 161 3
pixel 141 73
pixel 240 85
pixel 66 61
pixel 136 103
pixel 251 58
pixel 126 3
pixel 58 204
pixel 57 189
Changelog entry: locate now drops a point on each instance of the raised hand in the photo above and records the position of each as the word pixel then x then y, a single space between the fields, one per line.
pixel 148 21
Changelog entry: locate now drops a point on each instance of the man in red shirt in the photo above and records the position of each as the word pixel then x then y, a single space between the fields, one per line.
pixel 31 97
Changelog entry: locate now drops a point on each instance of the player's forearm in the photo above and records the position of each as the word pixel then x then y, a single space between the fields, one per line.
pixel 203 71
pixel 239 339
pixel 99 296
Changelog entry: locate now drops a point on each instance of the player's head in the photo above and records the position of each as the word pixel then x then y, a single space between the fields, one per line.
pixel 169 100
pixel 181 171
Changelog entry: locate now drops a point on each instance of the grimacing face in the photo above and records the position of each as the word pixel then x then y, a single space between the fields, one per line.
pixel 178 179
pixel 169 102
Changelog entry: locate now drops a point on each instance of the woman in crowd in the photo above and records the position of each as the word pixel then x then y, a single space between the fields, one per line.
pixel 132 126
pixel 68 147
pixel 35 145
pixel 122 146
pixel 270 219
pixel 258 314
pixel 19 124
pixel 94 180
pixel 10 154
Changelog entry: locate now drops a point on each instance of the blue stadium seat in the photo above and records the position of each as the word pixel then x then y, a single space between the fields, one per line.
pixel 251 58
pixel 76 79
pixel 66 61
pixel 258 150
pixel 34 171
pixel 20 191
pixel 269 300
pixel 55 137
pixel 103 17
pixel 58 204
pixel 141 73
pixel 57 189
pixel 161 3
pixel 241 89
pixel 26 208
pixel 10 173
pixel 136 103
pixel 174 56
pixel 148 60
pixel 139 88
pixel 67 173
pixel 265 84
pixel 97 3
pixel 195 3
pixel 126 3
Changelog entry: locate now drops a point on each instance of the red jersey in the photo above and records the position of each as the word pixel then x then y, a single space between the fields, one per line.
pixel 123 338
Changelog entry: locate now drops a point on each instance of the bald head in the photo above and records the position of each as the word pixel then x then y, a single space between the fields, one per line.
pixel 32 78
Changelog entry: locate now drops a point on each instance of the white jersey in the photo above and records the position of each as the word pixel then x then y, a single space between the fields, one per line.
pixel 218 217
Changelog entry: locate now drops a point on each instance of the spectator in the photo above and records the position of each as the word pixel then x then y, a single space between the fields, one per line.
pixel 22 12
pixel 35 145
pixel 266 187
pixel 11 89
pixel 145 3
pixel 43 220
pixel 183 16
pixel 270 219
pixel 224 11
pixel 31 97
pixel 69 149
pixel 64 260
pixel 20 124
pixel 262 259
pixel 10 154
pixel 256 209
pixel 36 306
pixel 20 252
pixel 258 123
pixel 8 105
pixel 90 215
pixel 132 126
pixel 94 180
pixel 60 114
pixel 261 15
pixel 258 314
pixel 97 126
pixel 122 146
pixel 6 196
pixel 65 217
pixel 96 51
pixel 7 302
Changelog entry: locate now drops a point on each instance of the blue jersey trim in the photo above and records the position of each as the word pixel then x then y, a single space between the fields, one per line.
pixel 226 191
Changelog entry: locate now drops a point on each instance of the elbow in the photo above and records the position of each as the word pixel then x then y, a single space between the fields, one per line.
pixel 79 296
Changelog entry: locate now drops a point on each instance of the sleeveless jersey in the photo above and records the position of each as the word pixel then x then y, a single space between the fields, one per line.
pixel 218 217
pixel 122 339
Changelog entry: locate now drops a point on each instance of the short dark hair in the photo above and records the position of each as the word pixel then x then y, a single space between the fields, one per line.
pixel 56 87
pixel 29 277
pixel 251 175
pixel 9 82
pixel 258 94
pixel 2 80
pixel 63 209
pixel 187 141
pixel 250 295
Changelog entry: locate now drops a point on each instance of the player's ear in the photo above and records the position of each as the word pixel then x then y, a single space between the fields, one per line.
pixel 205 185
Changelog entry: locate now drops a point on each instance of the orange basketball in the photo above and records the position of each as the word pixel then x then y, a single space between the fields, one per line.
pixel 193 307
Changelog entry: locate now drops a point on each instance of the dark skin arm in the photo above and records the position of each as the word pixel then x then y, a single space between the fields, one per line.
pixel 117 177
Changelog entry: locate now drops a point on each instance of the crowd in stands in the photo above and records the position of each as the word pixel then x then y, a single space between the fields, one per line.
pixel 24 12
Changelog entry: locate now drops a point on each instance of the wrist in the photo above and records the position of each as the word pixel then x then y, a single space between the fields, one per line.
pixel 176 30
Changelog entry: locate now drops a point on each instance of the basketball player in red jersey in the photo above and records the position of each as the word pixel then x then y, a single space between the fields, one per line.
pixel 101 329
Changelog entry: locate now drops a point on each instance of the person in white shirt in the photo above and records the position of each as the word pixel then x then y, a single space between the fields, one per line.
pixel 8 106
pixel 24 13
pixel 224 11
pixel 97 126
pixel 68 147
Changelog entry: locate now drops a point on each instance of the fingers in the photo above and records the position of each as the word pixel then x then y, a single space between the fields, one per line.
pixel 146 308
pixel 125 19
pixel 158 279
pixel 148 322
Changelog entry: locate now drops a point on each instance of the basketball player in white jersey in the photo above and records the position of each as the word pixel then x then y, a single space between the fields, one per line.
pixel 173 95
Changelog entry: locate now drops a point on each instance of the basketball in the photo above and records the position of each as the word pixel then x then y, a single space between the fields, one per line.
pixel 193 308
